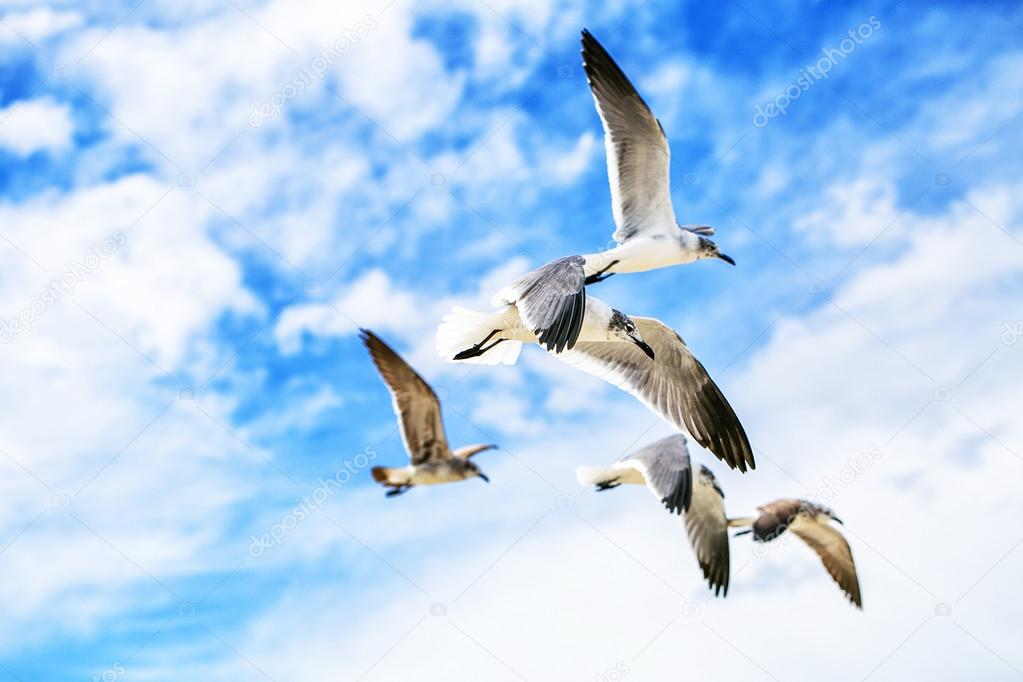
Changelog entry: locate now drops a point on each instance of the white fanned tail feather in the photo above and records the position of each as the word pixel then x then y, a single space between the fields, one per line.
pixel 462 328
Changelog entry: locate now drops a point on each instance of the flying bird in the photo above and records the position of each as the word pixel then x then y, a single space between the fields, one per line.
pixel 639 355
pixel 811 523
pixel 431 461
pixel 664 467
pixel 648 235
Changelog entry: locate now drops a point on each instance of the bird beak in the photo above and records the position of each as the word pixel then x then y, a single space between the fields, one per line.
pixel 483 476
pixel 645 347
pixel 835 518
pixel 726 258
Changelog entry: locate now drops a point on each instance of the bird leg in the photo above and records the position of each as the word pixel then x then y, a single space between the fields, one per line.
pixel 607 485
pixel 599 276
pixel 478 349
pixel 397 490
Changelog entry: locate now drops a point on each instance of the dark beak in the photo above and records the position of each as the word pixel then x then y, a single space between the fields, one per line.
pixel 835 518
pixel 726 258
pixel 643 346
pixel 483 476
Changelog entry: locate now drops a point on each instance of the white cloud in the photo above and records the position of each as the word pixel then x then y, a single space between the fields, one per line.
pixel 36 125
pixel 41 23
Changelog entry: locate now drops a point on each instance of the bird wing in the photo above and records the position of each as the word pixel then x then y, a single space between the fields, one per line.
pixel 551 301
pixel 666 469
pixel 674 385
pixel 415 403
pixel 833 549
pixel 707 528
pixel 638 157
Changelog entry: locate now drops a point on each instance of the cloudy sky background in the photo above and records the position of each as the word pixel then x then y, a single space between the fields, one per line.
pixel 221 236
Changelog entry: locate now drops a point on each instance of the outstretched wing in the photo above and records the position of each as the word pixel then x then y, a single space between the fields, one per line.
pixel 551 301
pixel 415 403
pixel 638 157
pixel 666 469
pixel 674 385
pixel 707 528
pixel 833 549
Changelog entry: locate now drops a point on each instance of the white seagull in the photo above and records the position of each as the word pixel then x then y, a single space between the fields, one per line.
pixel 811 523
pixel 422 428
pixel 638 158
pixel 665 468
pixel 639 355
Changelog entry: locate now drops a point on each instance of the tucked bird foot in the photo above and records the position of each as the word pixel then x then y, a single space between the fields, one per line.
pixel 599 276
pixel 607 485
pixel 478 349
pixel 398 490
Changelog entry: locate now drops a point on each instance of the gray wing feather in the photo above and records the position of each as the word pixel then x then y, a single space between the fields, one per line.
pixel 665 466
pixel 707 528
pixel 833 550
pixel 638 156
pixel 551 301
pixel 674 385
pixel 415 403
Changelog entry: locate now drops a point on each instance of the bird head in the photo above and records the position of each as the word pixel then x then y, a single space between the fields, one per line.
pixel 708 249
pixel 472 470
pixel 621 328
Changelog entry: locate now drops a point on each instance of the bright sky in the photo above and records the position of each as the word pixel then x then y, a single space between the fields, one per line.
pixel 201 202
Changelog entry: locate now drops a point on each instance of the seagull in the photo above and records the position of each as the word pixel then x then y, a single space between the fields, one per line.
pixel 665 468
pixel 422 428
pixel 639 355
pixel 810 522
pixel 638 159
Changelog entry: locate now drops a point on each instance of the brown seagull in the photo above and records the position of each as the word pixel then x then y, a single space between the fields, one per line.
pixel 431 461
pixel 811 523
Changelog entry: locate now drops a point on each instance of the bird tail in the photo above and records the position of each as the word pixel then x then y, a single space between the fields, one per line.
pixel 390 475
pixel 593 475
pixel 464 332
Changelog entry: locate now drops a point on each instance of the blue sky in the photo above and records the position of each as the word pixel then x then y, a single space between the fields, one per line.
pixel 199 377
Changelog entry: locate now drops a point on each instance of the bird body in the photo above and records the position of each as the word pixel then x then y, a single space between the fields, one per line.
pixel 661 249
pixel 431 460
pixel 663 466
pixel 449 470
